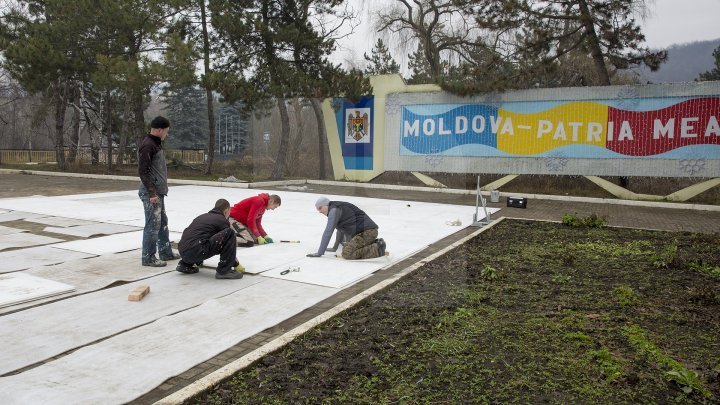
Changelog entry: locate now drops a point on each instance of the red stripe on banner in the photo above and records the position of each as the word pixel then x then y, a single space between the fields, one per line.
pixel 645 133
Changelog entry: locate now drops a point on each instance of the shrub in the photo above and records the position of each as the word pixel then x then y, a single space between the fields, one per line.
pixel 591 221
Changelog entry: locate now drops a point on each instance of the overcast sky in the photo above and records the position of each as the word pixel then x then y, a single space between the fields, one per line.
pixel 669 22
pixel 681 21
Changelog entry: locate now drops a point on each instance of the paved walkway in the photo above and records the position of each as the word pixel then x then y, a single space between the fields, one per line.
pixel 655 217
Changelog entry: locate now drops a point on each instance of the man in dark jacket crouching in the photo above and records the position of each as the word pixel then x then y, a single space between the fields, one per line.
pixel 209 235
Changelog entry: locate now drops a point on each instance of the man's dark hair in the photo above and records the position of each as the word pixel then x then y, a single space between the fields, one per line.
pixel 222 204
pixel 159 122
pixel 275 198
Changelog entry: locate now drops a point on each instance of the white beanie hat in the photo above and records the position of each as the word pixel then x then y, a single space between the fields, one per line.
pixel 321 202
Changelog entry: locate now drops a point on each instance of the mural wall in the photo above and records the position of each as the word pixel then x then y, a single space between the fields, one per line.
pixel 651 130
pixel 665 130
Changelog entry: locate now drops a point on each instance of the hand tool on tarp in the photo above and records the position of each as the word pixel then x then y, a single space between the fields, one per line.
pixel 289 269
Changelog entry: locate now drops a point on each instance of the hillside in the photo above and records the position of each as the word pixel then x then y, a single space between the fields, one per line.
pixel 685 63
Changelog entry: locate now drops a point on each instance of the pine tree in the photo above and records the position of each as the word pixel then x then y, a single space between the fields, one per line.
pixel 713 74
pixel 604 30
pixel 380 62
pixel 421 72
pixel 47 50
pixel 187 111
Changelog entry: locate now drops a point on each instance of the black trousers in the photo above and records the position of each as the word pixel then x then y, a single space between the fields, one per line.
pixel 222 243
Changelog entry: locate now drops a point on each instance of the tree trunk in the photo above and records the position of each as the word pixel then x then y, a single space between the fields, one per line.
pixel 279 168
pixel 94 148
pixel 60 96
pixel 107 126
pixel 123 135
pixel 208 91
pixel 75 136
pixel 139 114
pixel 594 44
pixel 433 57
pixel 322 136
pixel 94 154
pixel 296 138
pixel 211 128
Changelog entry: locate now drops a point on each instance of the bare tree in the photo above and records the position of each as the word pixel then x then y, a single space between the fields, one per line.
pixel 438 27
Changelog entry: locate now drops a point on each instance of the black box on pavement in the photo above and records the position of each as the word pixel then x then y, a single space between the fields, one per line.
pixel 517 202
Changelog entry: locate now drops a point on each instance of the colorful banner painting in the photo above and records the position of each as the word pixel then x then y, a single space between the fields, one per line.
pixel 669 128
pixel 355 123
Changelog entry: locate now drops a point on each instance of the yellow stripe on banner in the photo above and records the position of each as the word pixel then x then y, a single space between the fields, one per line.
pixel 575 123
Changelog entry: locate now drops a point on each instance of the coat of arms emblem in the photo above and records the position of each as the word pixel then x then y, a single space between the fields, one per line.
pixel 358 126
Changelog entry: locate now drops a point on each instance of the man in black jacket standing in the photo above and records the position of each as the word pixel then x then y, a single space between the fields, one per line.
pixel 208 235
pixel 152 170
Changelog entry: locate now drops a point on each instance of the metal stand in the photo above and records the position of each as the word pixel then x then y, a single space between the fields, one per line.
pixel 479 199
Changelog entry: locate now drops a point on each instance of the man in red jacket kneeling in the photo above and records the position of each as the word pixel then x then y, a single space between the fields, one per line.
pixel 246 219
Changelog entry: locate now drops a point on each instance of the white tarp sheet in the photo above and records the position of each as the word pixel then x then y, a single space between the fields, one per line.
pixel 121 242
pixel 25 239
pixel 86 231
pixel 8 230
pixel 21 259
pixel 60 221
pixel 8 216
pixel 90 274
pixel 19 287
pixel 49 330
pixel 125 366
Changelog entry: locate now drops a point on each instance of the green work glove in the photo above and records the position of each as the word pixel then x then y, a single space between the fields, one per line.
pixel 239 268
pixel 261 240
pixel 268 239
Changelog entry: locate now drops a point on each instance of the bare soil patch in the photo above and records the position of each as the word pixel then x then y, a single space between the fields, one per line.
pixel 526 312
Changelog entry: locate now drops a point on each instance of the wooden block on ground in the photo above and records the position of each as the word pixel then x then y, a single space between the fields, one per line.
pixel 139 293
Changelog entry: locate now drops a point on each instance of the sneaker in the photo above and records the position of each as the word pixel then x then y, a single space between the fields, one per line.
pixel 184 268
pixel 232 274
pixel 381 247
pixel 173 256
pixel 154 262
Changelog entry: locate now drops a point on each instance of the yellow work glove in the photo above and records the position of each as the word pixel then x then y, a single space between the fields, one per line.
pixel 261 240
pixel 239 268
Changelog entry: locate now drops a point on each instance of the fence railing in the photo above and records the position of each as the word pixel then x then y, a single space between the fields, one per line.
pixel 84 156
pixel 187 156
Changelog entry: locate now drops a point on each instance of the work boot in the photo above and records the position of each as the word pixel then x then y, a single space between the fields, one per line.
pixel 245 243
pixel 184 268
pixel 154 262
pixel 232 274
pixel 173 256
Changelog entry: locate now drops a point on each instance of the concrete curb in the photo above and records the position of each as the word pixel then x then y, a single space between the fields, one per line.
pixel 593 200
pixel 230 369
